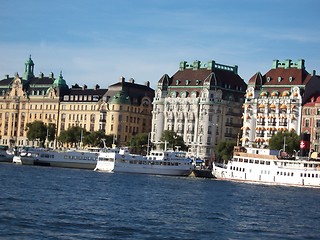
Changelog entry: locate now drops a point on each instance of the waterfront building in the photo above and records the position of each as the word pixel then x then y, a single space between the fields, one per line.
pixel 50 100
pixel 126 110
pixel 202 103
pixel 274 102
pixel 310 118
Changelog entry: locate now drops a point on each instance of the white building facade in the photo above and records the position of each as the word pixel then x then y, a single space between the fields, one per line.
pixel 202 102
pixel 274 102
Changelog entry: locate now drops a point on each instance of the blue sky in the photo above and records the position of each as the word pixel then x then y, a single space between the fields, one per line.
pixel 97 41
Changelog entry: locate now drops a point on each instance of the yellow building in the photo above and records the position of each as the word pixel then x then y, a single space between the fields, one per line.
pixel 122 110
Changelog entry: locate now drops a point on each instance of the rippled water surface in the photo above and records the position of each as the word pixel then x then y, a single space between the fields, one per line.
pixel 56 203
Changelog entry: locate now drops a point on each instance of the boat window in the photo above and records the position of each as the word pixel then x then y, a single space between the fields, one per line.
pixel 261 162
pixel 250 160
pixel 267 162
pixel 240 160
pixel 256 161
pixel 245 160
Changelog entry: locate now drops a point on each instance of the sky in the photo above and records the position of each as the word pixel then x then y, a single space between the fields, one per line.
pixel 98 41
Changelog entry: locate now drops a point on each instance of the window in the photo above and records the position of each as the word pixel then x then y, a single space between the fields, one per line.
pixel 307 123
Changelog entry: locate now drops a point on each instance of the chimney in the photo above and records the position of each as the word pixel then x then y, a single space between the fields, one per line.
pixel 147 83
pixel 131 80
pixel 122 79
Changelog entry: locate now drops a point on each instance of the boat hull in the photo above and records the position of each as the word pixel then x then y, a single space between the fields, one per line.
pixel 112 162
pixel 289 177
pixel 69 159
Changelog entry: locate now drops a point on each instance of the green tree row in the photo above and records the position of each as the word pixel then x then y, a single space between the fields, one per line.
pixel 72 137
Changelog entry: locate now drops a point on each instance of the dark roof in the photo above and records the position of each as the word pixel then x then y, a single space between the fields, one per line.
pixel 6 81
pixel 189 80
pixel 312 89
pixel 282 76
pixel 133 90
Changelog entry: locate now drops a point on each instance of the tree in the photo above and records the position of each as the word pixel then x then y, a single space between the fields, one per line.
pixel 290 139
pixel 96 139
pixel 139 143
pixel 72 136
pixel 173 140
pixel 224 150
pixel 37 131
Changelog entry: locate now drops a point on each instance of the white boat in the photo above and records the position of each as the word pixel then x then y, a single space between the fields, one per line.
pixel 173 163
pixel 266 166
pixel 5 154
pixel 83 159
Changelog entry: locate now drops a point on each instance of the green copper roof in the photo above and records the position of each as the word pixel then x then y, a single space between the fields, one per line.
pixel 28 71
pixel 120 97
pixel 29 61
pixel 60 82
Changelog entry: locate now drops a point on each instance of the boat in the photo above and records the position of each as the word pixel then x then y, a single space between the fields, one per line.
pixel 72 158
pixel 169 162
pixel 6 155
pixel 268 166
pixel 201 170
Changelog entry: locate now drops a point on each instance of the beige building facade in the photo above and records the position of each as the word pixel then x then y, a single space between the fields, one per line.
pixel 50 100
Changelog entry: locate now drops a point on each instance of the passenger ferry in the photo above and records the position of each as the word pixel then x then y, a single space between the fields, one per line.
pixel 266 166
pixel 82 159
pixel 169 162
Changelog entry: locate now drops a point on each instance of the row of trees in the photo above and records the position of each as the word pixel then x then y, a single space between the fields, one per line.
pixel 76 136
pixel 73 137
pixel 139 143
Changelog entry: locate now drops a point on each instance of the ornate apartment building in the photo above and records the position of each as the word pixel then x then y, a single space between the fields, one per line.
pixel 122 110
pixel 310 118
pixel 202 102
pixel 274 101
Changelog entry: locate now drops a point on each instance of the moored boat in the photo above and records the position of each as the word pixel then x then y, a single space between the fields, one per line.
pixel 82 159
pixel 269 167
pixel 173 163
pixel 5 154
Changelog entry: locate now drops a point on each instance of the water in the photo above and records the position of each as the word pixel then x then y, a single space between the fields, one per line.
pixel 56 203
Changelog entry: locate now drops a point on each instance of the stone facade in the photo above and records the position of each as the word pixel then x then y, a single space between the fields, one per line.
pixel 274 102
pixel 202 103
pixel 50 100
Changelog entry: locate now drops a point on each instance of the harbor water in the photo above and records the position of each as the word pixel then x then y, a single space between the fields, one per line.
pixel 55 203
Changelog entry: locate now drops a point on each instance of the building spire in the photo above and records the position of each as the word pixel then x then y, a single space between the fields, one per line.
pixel 28 70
